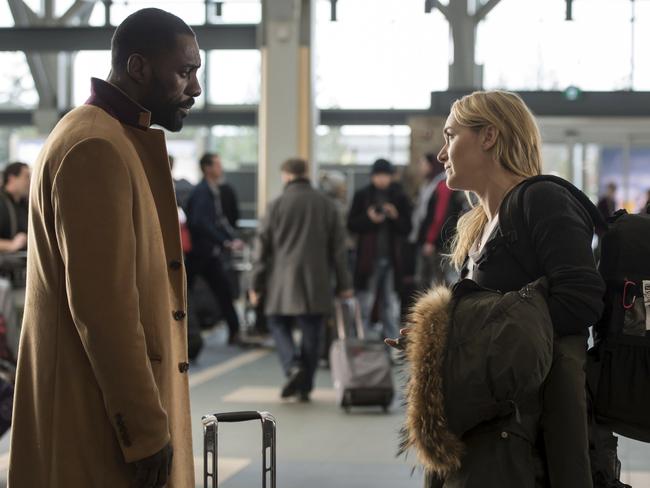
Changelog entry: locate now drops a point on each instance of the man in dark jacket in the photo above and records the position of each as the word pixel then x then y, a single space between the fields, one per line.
pixel 300 242
pixel 212 231
pixel 607 203
pixel 381 217
pixel 13 207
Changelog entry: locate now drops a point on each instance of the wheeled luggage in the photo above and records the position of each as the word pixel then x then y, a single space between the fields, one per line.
pixel 210 430
pixel 361 369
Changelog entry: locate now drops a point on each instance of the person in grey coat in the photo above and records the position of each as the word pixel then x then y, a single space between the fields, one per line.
pixel 300 242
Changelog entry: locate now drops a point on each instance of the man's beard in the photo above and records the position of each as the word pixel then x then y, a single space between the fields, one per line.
pixel 168 116
pixel 164 112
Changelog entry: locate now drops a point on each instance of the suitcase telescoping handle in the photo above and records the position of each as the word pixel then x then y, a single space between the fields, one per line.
pixel 210 431
pixel 238 416
pixel 352 303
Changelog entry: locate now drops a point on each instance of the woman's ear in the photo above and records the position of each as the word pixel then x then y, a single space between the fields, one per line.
pixel 489 135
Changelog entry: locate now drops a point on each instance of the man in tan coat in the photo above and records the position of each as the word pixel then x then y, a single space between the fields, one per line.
pixel 102 389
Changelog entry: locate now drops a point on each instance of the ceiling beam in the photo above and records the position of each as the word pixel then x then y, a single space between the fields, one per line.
pixel 56 39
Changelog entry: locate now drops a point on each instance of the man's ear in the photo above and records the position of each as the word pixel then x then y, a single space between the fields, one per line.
pixel 489 136
pixel 138 69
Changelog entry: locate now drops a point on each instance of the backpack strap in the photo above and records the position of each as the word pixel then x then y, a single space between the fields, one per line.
pixel 513 226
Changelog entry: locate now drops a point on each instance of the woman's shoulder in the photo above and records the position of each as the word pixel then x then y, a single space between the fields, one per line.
pixel 543 191
pixel 548 199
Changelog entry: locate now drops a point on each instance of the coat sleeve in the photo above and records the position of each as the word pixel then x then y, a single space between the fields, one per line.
pixel 338 251
pixel 92 198
pixel 402 225
pixel 263 252
pixel 358 220
pixel 562 232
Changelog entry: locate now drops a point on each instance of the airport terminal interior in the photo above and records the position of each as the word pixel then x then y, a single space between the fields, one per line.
pixel 340 84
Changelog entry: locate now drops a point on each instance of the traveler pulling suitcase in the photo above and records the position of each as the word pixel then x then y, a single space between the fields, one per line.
pixel 210 428
pixel 361 369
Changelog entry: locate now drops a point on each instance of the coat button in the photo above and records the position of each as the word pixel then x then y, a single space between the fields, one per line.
pixel 504 435
pixel 183 367
pixel 175 265
pixel 178 315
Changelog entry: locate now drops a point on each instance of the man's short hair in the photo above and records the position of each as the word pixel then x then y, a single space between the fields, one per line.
pixel 147 32
pixel 206 160
pixel 12 169
pixel 295 167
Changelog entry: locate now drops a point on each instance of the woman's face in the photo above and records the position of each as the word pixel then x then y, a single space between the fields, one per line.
pixel 463 157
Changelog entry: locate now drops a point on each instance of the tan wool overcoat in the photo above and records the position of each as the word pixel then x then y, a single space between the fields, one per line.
pixel 102 371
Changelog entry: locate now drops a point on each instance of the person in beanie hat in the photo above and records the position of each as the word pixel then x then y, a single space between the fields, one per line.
pixel 380 216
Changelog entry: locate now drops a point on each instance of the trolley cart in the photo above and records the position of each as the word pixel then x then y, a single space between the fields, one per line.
pixel 210 428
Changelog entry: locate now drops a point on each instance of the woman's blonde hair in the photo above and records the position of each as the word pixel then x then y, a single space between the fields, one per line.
pixel 517 148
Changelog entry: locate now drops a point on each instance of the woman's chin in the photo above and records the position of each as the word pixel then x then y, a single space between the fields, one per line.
pixel 452 181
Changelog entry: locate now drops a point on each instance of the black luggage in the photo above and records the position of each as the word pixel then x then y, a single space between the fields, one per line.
pixel 361 369
pixel 619 363
pixel 210 430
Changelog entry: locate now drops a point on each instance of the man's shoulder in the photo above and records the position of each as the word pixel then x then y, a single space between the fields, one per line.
pixel 86 125
pixel 200 189
pixel 363 191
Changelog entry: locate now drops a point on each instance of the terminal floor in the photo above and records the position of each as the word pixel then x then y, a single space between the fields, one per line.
pixel 319 445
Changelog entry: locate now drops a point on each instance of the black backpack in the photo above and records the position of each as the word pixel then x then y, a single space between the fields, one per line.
pixel 619 363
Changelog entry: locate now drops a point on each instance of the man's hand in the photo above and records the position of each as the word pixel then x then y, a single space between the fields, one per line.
pixel 18 242
pixel 152 472
pixel 346 294
pixel 374 216
pixel 391 211
pixel 253 297
pixel 428 249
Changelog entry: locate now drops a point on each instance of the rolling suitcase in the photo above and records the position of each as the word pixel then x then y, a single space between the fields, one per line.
pixel 361 369
pixel 210 428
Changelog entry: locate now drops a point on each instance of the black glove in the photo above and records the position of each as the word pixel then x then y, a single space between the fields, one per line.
pixel 152 472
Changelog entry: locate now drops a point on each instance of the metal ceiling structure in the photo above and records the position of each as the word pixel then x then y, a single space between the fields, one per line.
pixel 44 38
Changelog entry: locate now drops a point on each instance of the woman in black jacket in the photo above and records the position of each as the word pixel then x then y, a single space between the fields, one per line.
pixel 492 145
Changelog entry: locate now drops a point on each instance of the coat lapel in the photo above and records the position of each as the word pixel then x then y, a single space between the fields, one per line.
pixel 151 147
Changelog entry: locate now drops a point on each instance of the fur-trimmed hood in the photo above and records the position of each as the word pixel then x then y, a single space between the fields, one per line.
pixel 473 355
pixel 438 449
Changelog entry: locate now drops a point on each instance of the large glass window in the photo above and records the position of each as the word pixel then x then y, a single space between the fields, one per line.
pixel 379 54
pixel 6 19
pixel 628 169
pixel 191 11
pixel 88 64
pixel 17 90
pixel 356 144
pixel 234 77
pixel 237 146
pixel 528 45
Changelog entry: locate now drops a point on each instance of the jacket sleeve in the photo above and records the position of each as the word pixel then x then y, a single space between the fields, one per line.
pixel 263 252
pixel 562 231
pixel 358 220
pixel 338 251
pixel 402 225
pixel 92 199
pixel 201 218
